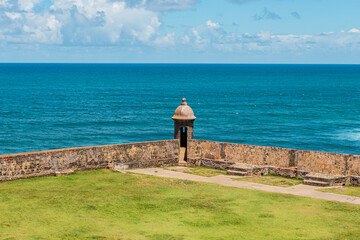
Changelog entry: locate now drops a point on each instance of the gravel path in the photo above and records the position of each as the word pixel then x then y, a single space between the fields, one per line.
pixel 300 190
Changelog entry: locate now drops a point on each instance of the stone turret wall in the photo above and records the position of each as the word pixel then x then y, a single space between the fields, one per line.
pixel 309 161
pixel 178 124
pixel 32 164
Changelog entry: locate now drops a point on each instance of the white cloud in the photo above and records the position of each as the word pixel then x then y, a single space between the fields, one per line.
pixel 5 4
pixel 20 24
pixel 354 30
pixel 200 42
pixel 41 29
pixel 213 25
pixel 114 20
pixel 77 22
pixel 27 5
pixel 265 41
pixel 13 15
pixel 165 41
pixel 185 39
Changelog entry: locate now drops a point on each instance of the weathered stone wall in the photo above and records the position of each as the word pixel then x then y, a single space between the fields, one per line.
pixel 166 153
pixel 309 161
pixel 146 154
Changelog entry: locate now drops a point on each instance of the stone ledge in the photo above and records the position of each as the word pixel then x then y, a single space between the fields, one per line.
pixel 6 156
pixel 355 180
pixel 15 177
pixel 321 179
pixel 217 164
pixel 255 169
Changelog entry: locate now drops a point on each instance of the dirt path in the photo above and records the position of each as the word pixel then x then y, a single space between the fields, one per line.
pixel 300 190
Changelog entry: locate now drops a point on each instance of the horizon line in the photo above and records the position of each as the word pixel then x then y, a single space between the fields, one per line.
pixel 185 63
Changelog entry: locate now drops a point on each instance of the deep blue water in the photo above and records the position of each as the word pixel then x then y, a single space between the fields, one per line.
pixel 50 106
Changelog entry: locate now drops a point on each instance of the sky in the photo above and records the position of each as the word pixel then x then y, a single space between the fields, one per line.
pixel 180 31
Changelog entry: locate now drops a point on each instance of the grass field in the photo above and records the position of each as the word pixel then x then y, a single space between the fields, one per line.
pixel 345 190
pixel 108 205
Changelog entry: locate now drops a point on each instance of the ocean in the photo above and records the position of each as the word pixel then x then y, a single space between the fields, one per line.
pixel 51 106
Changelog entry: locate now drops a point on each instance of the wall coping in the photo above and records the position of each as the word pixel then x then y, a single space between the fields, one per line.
pixel 292 149
pixel 11 155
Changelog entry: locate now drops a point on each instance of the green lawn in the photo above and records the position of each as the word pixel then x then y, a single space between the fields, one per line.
pixel 200 171
pixel 204 171
pixel 108 205
pixel 271 180
pixel 346 190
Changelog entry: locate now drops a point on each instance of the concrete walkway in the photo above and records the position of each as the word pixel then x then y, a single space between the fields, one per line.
pixel 299 190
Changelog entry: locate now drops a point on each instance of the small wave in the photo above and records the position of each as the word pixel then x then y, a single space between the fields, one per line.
pixel 350 135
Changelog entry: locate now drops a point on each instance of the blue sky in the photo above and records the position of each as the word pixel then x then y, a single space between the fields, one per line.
pixel 185 31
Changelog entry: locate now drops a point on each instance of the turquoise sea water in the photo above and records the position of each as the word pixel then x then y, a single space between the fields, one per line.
pixel 50 106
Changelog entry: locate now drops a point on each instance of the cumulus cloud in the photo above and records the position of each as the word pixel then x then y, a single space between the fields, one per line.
pixel 205 35
pixel 213 25
pixel 185 39
pixel 104 21
pixel 20 24
pixel 27 5
pixel 203 38
pixel 76 22
pixel 354 30
pixel 266 14
pixel 296 15
pixel 165 41
pixel 87 22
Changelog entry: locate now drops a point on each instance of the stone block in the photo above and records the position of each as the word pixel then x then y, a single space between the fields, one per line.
pixel 355 180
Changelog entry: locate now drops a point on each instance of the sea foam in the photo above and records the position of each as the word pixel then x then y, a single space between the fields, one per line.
pixel 350 135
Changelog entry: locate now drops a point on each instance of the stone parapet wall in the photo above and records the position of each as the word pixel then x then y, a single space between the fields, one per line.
pixel 166 153
pixel 308 161
pixel 145 154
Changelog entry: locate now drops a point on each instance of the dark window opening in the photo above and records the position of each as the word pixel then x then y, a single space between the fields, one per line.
pixel 183 137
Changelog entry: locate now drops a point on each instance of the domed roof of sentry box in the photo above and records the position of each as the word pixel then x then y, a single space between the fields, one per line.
pixel 184 112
